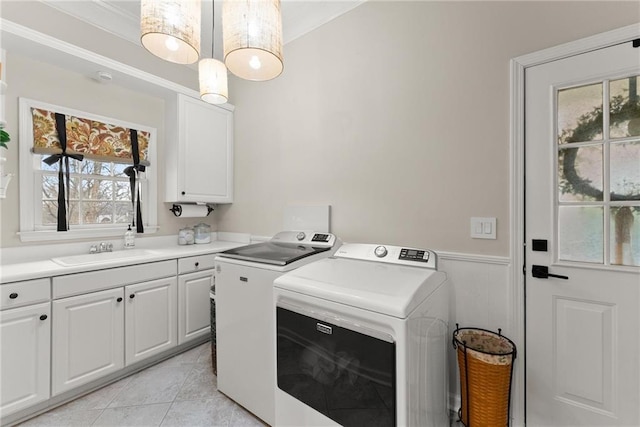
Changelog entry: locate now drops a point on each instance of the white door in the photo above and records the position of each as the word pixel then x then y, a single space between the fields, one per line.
pixel 87 338
pixel 583 203
pixel 150 325
pixel 194 306
pixel 25 336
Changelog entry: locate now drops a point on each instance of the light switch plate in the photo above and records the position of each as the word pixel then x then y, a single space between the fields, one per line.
pixel 483 228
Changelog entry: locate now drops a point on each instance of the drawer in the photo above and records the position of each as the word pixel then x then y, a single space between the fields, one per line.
pixel 83 283
pixel 27 292
pixel 195 263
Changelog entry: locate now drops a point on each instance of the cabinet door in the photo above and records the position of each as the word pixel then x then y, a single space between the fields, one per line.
pixel 88 338
pixel 150 318
pixel 205 167
pixel 194 318
pixel 245 337
pixel 25 337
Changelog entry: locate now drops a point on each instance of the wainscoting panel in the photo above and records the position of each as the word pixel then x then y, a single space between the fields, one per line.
pixel 481 297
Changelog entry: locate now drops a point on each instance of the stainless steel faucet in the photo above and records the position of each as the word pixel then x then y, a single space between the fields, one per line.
pixel 102 247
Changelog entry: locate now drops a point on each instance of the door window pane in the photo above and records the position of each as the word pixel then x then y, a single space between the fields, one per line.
pixel 625 235
pixel 625 170
pixel 624 112
pixel 581 234
pixel 580 174
pixel 580 114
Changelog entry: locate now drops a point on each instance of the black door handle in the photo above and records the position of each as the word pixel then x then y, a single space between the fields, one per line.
pixel 542 272
pixel 119 299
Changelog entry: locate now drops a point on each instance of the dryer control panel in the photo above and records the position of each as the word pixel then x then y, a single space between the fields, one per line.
pixel 415 257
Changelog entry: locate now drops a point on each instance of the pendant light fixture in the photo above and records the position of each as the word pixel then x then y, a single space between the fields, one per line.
pixel 212 73
pixel 253 38
pixel 170 29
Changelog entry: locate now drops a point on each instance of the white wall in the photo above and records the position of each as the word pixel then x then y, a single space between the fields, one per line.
pixel 396 114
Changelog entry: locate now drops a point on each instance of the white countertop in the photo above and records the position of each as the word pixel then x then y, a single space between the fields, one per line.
pixel 35 269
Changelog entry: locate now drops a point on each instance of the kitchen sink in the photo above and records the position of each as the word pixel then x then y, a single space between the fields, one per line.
pixel 102 257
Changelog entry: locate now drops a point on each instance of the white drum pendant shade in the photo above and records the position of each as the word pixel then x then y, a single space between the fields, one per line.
pixel 252 35
pixel 213 81
pixel 170 29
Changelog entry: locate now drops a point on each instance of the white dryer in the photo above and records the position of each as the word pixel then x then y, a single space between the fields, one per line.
pixel 361 340
pixel 244 313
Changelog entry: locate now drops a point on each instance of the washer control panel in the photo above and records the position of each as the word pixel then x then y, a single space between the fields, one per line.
pixel 320 237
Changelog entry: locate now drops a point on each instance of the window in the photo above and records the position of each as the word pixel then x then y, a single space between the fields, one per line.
pixel 99 193
pixel 599 172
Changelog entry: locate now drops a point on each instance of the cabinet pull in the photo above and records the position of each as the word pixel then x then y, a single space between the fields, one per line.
pixel 13 295
pixel 43 317
pixel 119 299
pixel 183 193
pixel 197 264
pixel 132 296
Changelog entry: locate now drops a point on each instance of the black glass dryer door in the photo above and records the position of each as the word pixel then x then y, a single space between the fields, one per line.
pixel 346 375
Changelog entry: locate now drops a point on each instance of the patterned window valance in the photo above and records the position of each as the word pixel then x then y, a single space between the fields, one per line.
pixel 92 139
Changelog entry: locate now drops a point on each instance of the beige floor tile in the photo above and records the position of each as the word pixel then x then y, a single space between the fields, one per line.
pixel 59 418
pixel 129 416
pixel 153 386
pixel 196 413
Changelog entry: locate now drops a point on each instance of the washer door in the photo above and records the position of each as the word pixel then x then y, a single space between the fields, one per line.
pixel 346 375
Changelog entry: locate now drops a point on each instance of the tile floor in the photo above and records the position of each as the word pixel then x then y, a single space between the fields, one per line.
pixel 180 391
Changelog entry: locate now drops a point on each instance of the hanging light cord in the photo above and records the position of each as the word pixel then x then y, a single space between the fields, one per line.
pixel 213 28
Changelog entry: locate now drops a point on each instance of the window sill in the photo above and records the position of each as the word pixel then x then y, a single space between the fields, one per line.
pixel 88 233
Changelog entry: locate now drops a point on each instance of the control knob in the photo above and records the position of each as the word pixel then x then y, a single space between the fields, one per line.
pixel 380 252
pixel 301 236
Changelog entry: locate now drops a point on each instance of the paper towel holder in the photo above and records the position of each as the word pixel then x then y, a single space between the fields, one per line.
pixel 177 209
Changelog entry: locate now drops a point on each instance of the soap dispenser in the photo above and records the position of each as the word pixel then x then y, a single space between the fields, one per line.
pixel 129 238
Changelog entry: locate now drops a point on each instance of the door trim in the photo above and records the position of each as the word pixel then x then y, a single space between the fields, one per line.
pixel 516 179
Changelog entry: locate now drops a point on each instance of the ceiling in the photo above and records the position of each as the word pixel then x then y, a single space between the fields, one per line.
pixel 122 17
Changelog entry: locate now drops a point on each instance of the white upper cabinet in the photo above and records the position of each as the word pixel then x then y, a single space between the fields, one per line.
pixel 199 152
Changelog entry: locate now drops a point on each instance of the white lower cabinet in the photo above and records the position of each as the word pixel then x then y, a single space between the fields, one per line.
pixel 88 338
pixel 194 317
pixel 150 318
pixel 25 336
pixel 61 333
pixel 102 332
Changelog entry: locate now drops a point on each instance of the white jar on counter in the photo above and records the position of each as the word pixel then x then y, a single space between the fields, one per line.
pixel 186 236
pixel 203 233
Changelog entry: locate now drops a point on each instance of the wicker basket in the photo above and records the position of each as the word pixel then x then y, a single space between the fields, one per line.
pixel 485 360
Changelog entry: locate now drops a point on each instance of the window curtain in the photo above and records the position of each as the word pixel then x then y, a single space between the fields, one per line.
pixel 90 139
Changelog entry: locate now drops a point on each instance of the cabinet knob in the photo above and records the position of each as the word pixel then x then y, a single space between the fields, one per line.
pixel 13 295
pixel 119 299
pixel 183 193
pixel 43 317
pixel 197 264
pixel 132 296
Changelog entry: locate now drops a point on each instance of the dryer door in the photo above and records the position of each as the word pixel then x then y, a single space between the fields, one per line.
pixel 346 375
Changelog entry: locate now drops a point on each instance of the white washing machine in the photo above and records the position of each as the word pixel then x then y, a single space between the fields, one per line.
pixel 244 313
pixel 362 340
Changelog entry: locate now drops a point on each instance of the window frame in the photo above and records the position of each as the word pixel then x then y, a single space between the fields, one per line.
pixel 29 172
